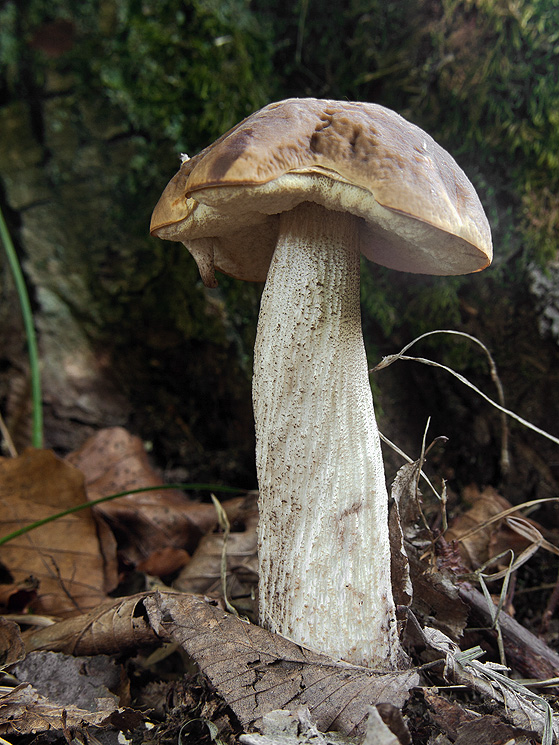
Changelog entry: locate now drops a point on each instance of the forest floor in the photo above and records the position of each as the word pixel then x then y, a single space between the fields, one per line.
pixel 135 621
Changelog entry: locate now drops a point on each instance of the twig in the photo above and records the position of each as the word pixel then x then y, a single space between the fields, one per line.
pixel 5 432
pixel 550 608
pixel 223 521
pixel 409 460
pixel 526 653
pixel 495 611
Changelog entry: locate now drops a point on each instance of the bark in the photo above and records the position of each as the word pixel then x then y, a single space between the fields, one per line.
pixel 526 653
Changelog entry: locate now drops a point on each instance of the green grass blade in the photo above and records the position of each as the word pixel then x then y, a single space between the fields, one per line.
pixel 85 505
pixel 37 435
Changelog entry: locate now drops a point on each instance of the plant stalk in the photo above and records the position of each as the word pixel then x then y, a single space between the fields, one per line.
pixel 33 352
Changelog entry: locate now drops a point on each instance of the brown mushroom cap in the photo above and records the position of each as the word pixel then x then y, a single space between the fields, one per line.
pixel 417 210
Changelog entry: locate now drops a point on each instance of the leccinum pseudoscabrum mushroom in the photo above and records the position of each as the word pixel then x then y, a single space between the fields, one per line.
pixel 293 195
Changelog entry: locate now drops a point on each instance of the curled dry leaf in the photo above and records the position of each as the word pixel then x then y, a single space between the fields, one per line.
pixel 113 461
pixel 402 519
pixel 11 643
pixel 256 671
pixel 73 558
pixel 431 593
pixel 115 628
pixel 520 706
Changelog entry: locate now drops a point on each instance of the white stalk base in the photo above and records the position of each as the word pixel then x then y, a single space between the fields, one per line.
pixel 324 552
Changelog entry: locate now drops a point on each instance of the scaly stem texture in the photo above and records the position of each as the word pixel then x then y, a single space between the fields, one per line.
pixel 323 534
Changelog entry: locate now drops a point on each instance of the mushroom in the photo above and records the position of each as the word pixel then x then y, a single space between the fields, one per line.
pixel 293 195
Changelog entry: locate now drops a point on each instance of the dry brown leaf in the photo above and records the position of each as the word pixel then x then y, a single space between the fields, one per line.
pixel 24 711
pixel 402 519
pixel 432 594
pixel 11 643
pixel 253 670
pixel 164 561
pixel 113 461
pixel 74 568
pixel 394 719
pixel 203 573
pixel 115 628
pixel 467 728
pixel 256 671
pixel 15 598
pixel 518 705
pixel 487 541
pixel 490 729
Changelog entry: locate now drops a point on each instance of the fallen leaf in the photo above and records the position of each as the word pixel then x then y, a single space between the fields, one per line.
pixel 377 731
pixel 73 558
pixel 491 729
pixel 431 593
pixel 15 598
pixel 202 575
pixel 402 520
pixel 479 542
pixel 113 461
pixel 466 727
pixel 520 706
pixel 448 715
pixel 256 671
pixel 11 643
pixel 24 711
pixel 116 627
pixel 394 720
pixel 164 561
pixel 283 727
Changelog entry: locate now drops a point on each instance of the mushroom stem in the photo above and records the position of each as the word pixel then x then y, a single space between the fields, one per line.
pixel 324 550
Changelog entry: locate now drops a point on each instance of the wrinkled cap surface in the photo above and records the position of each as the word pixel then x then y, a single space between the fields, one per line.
pixel 416 208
